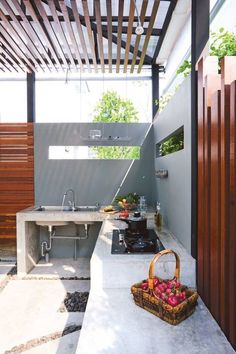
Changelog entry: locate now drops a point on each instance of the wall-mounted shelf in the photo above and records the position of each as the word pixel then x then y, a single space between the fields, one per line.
pixel 109 138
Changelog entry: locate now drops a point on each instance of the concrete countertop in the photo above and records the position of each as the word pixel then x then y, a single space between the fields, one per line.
pixel 135 266
pixel 30 214
pixel 113 324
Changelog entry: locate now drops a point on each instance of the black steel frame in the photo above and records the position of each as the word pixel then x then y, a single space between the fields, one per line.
pixel 200 36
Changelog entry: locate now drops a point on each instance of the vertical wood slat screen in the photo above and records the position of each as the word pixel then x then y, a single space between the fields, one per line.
pixel 216 260
pixel 16 174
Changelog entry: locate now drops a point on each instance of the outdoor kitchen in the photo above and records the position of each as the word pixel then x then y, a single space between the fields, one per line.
pixel 117 176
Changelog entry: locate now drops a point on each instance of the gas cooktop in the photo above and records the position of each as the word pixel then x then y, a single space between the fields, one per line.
pixel 122 244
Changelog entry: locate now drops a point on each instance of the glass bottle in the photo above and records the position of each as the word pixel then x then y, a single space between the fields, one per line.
pixel 143 206
pixel 158 217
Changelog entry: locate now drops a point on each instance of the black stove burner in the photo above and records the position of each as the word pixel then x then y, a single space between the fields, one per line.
pixel 135 244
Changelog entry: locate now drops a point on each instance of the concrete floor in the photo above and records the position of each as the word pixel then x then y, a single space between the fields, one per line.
pixel 29 307
pixel 63 267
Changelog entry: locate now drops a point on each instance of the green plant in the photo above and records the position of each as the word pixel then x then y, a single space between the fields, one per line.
pixel 117 152
pixel 223 43
pixel 113 109
pixel 163 100
pixel 172 144
pixel 124 201
pixel 185 68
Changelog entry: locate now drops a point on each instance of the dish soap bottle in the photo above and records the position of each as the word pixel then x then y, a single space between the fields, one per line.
pixel 158 217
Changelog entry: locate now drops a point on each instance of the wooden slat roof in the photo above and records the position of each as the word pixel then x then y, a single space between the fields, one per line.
pixel 81 35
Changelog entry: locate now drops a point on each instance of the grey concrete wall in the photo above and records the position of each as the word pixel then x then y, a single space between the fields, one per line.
pixel 92 180
pixel 174 192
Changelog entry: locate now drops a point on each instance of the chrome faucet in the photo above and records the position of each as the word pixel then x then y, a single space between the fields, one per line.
pixel 71 202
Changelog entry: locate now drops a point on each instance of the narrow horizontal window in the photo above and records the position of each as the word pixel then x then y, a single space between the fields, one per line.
pixel 171 144
pixel 94 153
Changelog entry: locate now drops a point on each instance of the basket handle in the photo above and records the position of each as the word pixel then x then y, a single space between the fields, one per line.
pixel 154 260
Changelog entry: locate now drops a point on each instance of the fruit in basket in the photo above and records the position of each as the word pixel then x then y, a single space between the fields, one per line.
pixel 155 282
pixel 144 286
pixel 170 291
pixel 162 287
pixel 173 301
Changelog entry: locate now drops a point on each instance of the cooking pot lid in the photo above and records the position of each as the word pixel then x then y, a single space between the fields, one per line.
pixel 136 217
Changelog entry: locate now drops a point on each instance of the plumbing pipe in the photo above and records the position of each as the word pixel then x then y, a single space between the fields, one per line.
pixel 76 236
pixel 44 244
pixel 52 235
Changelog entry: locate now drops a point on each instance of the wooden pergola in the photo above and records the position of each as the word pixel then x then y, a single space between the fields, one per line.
pixel 92 36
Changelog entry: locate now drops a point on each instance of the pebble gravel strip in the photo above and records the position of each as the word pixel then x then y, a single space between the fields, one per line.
pixel 42 340
pixel 33 277
pixel 74 302
pixel 9 276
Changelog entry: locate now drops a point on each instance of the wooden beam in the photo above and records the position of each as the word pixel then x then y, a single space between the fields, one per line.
pixel 61 34
pixel 9 49
pixel 42 31
pixel 50 31
pixel 119 34
pixel 80 31
pixel 12 45
pixel 13 33
pixel 147 59
pixel 32 34
pixel 25 40
pixel 11 59
pixel 109 31
pixel 99 31
pixel 149 32
pixel 5 63
pixel 129 34
pixel 71 33
pixel 137 40
pixel 89 31
pixel 2 68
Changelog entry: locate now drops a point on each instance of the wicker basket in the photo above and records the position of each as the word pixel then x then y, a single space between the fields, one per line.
pixel 150 302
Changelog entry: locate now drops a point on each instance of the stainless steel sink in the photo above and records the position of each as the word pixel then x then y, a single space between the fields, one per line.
pixel 88 208
pixel 67 208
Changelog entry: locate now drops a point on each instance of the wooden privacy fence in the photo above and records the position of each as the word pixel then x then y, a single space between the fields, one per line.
pixel 217 191
pixel 16 174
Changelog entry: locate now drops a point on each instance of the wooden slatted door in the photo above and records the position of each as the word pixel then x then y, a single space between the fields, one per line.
pixel 216 261
pixel 16 174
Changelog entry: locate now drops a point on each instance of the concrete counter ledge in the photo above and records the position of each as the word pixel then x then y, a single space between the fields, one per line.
pixel 113 324
pixel 120 271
